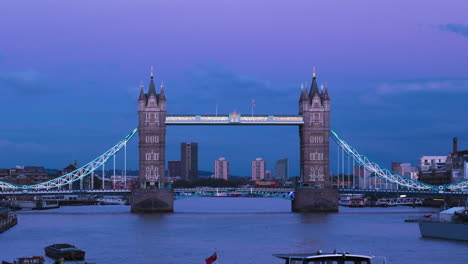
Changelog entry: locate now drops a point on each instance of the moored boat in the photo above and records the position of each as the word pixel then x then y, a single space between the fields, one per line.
pixel 448 224
pixel 31 260
pixel 319 257
pixel 7 220
pixel 65 251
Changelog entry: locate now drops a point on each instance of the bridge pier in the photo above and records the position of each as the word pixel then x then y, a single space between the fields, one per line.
pixel 152 201
pixel 315 200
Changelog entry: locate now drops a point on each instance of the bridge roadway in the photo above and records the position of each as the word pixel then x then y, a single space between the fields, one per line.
pixel 240 190
pixel 235 119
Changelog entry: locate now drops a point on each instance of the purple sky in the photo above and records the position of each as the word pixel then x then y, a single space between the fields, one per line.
pixel 69 75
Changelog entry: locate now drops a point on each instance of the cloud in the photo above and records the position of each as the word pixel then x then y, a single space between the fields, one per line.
pixel 399 87
pixel 377 95
pixel 213 80
pixel 29 81
pixel 459 29
pixel 10 146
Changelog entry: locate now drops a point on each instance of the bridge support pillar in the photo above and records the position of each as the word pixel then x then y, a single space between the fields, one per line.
pixel 315 200
pixel 152 201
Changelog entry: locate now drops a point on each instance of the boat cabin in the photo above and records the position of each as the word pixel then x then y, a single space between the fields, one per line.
pixel 324 258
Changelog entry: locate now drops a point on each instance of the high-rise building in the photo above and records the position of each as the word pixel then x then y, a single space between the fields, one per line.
pixel 268 175
pixel 258 169
pixel 221 169
pixel 189 160
pixel 282 169
pixel 175 169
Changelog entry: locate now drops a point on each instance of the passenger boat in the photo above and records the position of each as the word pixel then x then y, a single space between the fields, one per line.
pixel 352 200
pixel 32 260
pixel 329 258
pixel 65 251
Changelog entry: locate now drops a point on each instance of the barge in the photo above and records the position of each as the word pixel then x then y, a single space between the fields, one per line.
pixel 65 251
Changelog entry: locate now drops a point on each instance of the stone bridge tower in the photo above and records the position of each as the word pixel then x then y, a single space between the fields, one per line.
pixel 316 193
pixel 151 196
pixel 152 136
pixel 314 135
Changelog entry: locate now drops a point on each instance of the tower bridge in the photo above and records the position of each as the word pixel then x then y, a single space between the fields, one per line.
pixel 316 192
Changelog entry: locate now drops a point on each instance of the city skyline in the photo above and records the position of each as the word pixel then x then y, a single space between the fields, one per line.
pixel 54 84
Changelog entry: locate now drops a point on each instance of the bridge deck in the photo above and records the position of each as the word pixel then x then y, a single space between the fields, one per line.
pixel 289 120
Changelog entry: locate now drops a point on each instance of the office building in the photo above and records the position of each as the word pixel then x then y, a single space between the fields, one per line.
pixel 189 161
pixel 175 169
pixel 282 169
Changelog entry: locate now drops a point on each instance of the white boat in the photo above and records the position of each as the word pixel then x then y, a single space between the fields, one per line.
pixel 329 258
pixel 352 200
pixel 112 200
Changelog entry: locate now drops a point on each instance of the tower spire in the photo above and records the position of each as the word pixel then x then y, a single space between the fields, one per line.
pixel 304 95
pixel 162 95
pixel 314 87
pixel 142 92
pixel 152 88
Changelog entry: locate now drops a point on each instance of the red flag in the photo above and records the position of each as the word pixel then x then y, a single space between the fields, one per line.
pixel 253 102
pixel 211 259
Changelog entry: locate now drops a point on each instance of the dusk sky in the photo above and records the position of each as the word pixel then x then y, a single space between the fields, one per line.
pixel 397 73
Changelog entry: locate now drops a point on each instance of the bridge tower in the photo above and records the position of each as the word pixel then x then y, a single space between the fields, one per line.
pixel 152 136
pixel 152 194
pixel 316 193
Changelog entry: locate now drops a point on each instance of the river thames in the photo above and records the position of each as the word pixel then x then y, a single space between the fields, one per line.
pixel 242 230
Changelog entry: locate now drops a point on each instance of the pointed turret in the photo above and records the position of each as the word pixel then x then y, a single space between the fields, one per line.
pixel 304 95
pixel 162 95
pixel 142 96
pixel 152 88
pixel 325 93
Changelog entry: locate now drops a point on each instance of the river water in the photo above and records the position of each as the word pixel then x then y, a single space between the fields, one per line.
pixel 242 230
